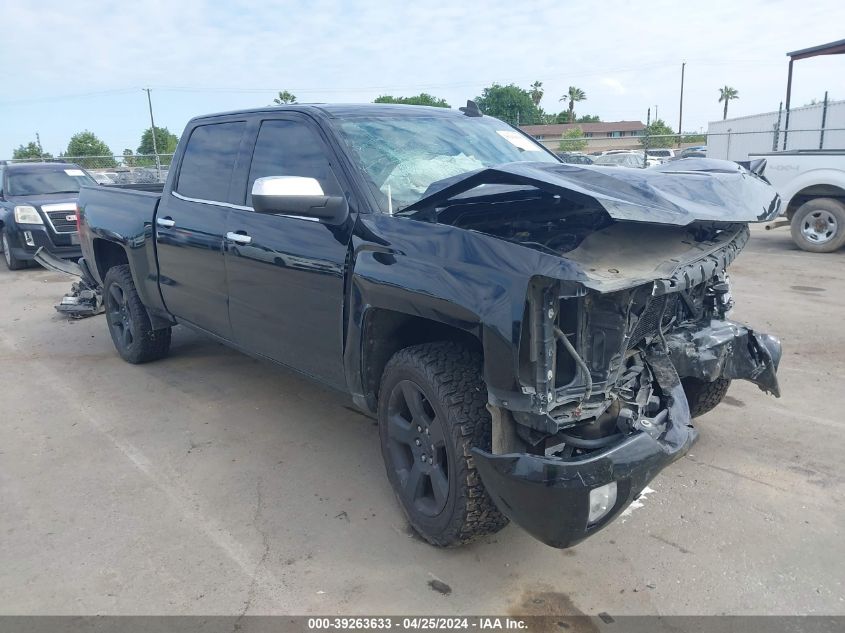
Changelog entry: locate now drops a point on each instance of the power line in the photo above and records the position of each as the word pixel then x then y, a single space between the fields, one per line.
pixel 78 95
pixel 394 87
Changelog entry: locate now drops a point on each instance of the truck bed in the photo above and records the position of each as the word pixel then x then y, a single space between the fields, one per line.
pixel 127 211
pixel 152 187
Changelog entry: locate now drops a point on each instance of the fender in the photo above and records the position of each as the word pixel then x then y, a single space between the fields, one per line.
pixel 812 178
pixel 463 279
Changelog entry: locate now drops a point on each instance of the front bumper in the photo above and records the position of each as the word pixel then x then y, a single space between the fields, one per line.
pixel 58 244
pixel 549 496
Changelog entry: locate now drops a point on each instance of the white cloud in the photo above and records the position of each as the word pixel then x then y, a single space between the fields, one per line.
pixel 356 50
pixel 614 84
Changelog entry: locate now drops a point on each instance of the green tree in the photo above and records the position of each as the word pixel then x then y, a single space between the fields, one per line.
pixel 563 117
pixel 699 139
pixel 573 140
pixel 86 143
pixel 509 103
pixel 726 94
pixel 165 143
pixel 423 99
pixel 548 118
pixel 589 118
pixel 284 98
pixel 573 95
pixel 657 134
pixel 536 92
pixel 129 159
pixel 30 151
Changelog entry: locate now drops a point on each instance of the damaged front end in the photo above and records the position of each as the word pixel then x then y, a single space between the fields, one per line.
pixel 608 348
pixel 606 408
pixel 85 297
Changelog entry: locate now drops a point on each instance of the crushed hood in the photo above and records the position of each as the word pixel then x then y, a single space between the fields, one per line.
pixel 678 193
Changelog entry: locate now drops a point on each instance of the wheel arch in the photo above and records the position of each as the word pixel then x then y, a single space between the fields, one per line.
pixel 107 255
pixel 386 331
pixel 815 184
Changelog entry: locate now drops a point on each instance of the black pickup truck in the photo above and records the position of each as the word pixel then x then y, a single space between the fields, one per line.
pixel 533 337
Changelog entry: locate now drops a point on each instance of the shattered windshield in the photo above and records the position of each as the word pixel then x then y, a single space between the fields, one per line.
pixel 404 155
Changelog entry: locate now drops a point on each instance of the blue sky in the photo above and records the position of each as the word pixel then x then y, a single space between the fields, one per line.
pixel 70 66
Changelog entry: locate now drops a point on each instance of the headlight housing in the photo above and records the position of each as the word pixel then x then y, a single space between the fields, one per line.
pixel 26 214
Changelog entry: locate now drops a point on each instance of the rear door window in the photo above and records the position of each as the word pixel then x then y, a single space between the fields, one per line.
pixel 291 148
pixel 209 161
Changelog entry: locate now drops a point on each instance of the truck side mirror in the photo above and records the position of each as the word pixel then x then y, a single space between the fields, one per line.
pixel 296 195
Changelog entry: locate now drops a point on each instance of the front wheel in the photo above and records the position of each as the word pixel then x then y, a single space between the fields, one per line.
pixel 129 325
pixel 12 262
pixel 432 412
pixel 704 396
pixel 818 225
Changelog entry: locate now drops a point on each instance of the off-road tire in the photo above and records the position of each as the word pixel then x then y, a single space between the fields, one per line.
pixel 827 206
pixel 704 396
pixel 144 343
pixel 450 377
pixel 12 262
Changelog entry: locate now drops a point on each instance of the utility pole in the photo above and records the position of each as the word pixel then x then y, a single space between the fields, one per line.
pixel 153 126
pixel 681 109
pixel 40 149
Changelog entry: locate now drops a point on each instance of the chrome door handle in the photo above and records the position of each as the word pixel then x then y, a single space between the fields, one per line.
pixel 165 222
pixel 238 238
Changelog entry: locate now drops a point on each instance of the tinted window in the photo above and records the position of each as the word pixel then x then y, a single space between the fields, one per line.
pixel 45 181
pixel 290 148
pixel 209 161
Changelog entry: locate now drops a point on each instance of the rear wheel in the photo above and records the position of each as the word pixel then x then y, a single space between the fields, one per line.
pixel 704 396
pixel 818 225
pixel 129 325
pixel 12 262
pixel 432 411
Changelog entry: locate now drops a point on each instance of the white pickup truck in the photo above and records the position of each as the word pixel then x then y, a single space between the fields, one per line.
pixel 811 184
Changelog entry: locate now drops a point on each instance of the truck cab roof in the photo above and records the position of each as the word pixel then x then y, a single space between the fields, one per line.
pixel 342 110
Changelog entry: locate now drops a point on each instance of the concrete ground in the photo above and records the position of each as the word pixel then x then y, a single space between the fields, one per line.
pixel 212 483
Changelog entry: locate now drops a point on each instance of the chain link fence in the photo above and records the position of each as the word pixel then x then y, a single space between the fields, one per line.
pixel 813 127
pixel 117 170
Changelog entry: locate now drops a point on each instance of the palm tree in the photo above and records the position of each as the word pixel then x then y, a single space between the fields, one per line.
pixel 285 97
pixel 726 94
pixel 536 92
pixel 574 94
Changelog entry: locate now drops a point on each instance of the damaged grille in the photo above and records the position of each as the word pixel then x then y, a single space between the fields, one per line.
pixel 648 323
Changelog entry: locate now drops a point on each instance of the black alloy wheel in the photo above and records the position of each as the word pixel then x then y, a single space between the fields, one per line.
pixel 129 324
pixel 119 315
pixel 418 449
pixel 432 412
